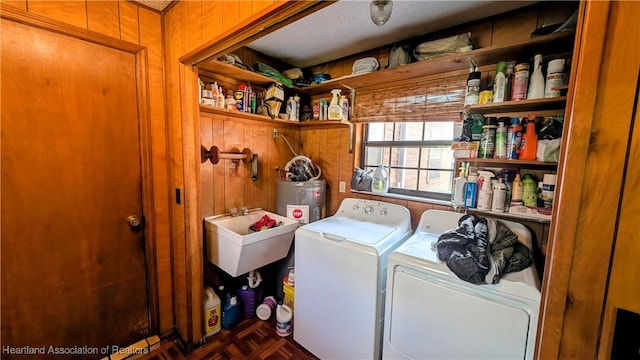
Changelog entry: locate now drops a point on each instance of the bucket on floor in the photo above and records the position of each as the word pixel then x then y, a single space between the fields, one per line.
pixel 289 293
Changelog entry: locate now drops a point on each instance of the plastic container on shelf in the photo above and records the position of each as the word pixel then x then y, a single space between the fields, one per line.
pixel 555 78
pixel 514 139
pixel 499 196
pixel 536 84
pixel 488 138
pixel 501 140
pixel 289 293
pixel 529 144
pixel 520 81
pixel 471 191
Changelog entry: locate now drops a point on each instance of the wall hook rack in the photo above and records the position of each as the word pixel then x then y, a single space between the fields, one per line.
pixel 214 155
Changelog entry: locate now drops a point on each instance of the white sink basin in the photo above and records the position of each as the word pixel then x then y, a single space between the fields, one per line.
pixel 231 246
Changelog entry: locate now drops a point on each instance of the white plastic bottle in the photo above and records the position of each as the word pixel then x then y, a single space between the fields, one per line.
pixel 212 317
pixel 536 84
pixel 283 320
pixel 380 182
pixel 499 196
pixel 485 195
pixel 555 77
pixel 457 197
pixel 344 105
pixel 335 111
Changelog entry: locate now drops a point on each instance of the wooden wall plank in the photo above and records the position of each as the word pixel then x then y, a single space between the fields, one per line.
pixel 207 198
pixel 514 28
pixel 219 184
pixel 194 27
pixel 259 5
pixel 69 12
pixel 103 17
pixel 246 168
pixel 234 173
pixel 245 9
pixel 129 30
pixel 18 4
pixel 262 135
pixel 211 19
pixel 230 14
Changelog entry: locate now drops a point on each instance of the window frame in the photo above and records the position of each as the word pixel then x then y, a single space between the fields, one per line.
pixel 417 144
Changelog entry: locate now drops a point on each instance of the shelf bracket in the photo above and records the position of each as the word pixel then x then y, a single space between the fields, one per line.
pixel 352 102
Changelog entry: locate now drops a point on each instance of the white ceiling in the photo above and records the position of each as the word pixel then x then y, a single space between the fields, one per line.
pixel 345 28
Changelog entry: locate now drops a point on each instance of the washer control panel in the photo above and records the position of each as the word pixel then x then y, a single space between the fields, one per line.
pixel 373 211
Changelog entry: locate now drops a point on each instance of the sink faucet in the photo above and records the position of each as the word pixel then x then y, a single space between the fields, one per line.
pixel 245 211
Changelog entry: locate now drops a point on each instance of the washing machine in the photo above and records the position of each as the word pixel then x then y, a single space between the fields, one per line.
pixel 432 314
pixel 341 266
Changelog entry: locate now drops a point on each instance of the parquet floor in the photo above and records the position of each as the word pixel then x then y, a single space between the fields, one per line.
pixel 252 340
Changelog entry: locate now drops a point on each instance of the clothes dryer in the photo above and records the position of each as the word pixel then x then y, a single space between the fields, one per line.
pixel 432 314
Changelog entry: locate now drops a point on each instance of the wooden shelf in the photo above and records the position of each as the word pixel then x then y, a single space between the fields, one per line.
pixel 560 42
pixel 557 103
pixel 261 118
pixel 510 163
pixel 552 43
pixel 509 216
pixel 234 72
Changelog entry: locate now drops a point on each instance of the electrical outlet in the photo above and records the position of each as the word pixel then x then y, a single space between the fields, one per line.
pixel 343 186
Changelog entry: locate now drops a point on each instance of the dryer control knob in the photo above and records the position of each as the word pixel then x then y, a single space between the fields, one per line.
pixel 383 212
pixel 368 210
pixel 356 208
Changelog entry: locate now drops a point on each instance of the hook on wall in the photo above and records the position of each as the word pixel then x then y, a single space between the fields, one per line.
pixel 214 155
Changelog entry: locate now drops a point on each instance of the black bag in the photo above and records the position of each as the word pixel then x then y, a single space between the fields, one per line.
pixel 361 180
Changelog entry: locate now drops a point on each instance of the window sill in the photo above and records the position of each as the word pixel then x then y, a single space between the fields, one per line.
pixel 405 197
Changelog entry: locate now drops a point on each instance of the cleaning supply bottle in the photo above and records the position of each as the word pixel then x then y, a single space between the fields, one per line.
pixel 529 191
pixel 344 105
pixel 283 320
pixel 516 191
pixel 520 81
pixel 472 92
pixel 247 296
pixel 514 139
pixel 291 108
pixel 529 144
pixel 536 84
pixel 500 83
pixel 335 111
pixel 499 196
pixel 457 195
pixel 501 140
pixel 380 182
pixel 296 98
pixel 488 138
pixel 555 78
pixel 508 86
pixel 471 191
pixel 212 314
pixel 231 313
pixel 485 194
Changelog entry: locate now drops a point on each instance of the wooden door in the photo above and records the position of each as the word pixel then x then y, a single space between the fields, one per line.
pixel 73 270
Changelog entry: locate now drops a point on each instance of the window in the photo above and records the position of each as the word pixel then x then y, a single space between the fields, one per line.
pixel 417 154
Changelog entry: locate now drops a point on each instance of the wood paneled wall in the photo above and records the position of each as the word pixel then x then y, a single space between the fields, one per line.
pixel 228 183
pixel 127 21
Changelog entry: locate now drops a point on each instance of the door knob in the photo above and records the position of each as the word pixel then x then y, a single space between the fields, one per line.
pixel 134 221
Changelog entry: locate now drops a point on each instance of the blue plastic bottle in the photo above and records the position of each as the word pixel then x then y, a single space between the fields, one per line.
pixel 471 191
pixel 232 313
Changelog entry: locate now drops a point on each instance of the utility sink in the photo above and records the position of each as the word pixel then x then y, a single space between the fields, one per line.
pixel 234 248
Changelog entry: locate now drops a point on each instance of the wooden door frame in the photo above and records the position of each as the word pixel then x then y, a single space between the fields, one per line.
pixel 144 126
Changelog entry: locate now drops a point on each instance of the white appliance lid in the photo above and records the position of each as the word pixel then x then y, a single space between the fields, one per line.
pixel 342 228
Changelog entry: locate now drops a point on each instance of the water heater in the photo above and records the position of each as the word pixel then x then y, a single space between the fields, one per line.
pixel 304 201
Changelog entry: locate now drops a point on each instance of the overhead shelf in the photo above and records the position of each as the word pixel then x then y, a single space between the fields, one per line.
pixel 557 103
pixel 266 119
pixel 547 44
pixel 510 163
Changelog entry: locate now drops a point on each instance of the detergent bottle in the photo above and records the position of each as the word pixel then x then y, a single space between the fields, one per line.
pixel 335 111
pixel 380 182
pixel 457 195
pixel 212 314
pixel 485 194
pixel 529 145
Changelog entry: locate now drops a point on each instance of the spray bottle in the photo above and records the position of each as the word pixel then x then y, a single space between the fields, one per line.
pixel 536 84
pixel 472 93
pixel 335 111
pixel 485 194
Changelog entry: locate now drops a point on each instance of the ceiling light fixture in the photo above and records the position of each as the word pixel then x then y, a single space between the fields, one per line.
pixel 380 11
